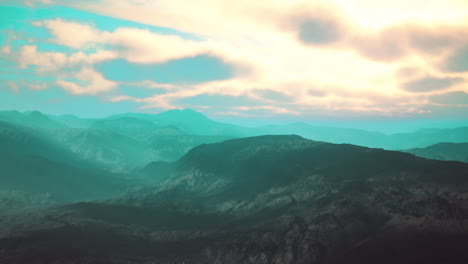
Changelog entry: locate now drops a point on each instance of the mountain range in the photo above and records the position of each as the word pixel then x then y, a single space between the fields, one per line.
pixel 190 124
pixel 267 199
pixel 177 187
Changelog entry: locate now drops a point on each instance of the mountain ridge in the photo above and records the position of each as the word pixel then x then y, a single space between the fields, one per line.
pixel 267 199
pixel 195 123
pixel 443 151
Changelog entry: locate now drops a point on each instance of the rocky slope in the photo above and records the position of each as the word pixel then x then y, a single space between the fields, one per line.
pixel 270 199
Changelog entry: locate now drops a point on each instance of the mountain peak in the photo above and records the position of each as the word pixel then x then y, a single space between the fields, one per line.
pixel 37 115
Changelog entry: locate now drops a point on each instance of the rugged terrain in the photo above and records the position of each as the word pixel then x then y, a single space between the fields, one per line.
pixel 268 199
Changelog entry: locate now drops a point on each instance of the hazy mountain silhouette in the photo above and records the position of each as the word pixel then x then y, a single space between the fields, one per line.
pixel 268 199
pixel 417 139
pixel 331 134
pixel 32 119
pixel 114 143
pixel 131 127
pixel 105 148
pixel 33 165
pixel 20 140
pixel 73 121
pixel 193 122
pixel 443 151
pixel 427 137
pixel 142 127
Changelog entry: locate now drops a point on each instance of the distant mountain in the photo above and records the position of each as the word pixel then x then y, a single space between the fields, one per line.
pixel 140 127
pixel 104 148
pixel 330 134
pixel 418 139
pixel 73 121
pixel 76 147
pixel 426 137
pixel 33 164
pixel 443 151
pixel 116 144
pixel 120 149
pixel 170 143
pixel 193 122
pixel 128 126
pixel 31 119
pixel 22 140
pixel 268 199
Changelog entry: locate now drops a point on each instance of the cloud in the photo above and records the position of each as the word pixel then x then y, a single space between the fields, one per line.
pixel 458 60
pixel 316 25
pixel 152 85
pixel 13 86
pixel 32 3
pixel 216 101
pixel 385 45
pixel 5 49
pixel 34 84
pixel 181 71
pixel 132 44
pixel 435 39
pixel 89 81
pixel 71 34
pixel 273 96
pixel 319 32
pixel 143 46
pixel 429 84
pixel 48 61
pixel 60 68
pixel 334 58
pixel 402 40
pixel 268 109
pixel 451 98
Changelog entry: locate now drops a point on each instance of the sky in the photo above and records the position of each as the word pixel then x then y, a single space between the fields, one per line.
pixel 256 61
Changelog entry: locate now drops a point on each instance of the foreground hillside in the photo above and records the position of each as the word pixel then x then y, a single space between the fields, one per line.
pixel 268 199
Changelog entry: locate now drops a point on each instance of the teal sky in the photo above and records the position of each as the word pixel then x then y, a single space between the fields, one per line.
pixel 238 63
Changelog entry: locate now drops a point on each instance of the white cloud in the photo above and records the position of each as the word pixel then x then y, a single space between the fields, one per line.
pixel 134 45
pixel 273 109
pixel 48 61
pixel 55 61
pixel 70 34
pixel 91 82
pixel 32 3
pixel 143 46
pixel 359 72
pixel 153 85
